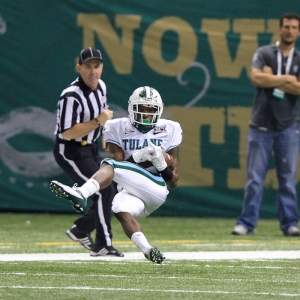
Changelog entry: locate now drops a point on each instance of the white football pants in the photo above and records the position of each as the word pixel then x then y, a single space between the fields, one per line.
pixel 142 192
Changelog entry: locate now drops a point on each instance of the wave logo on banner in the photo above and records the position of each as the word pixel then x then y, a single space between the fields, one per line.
pixel 38 122
pixel 2 25
pixel 205 87
pixel 31 120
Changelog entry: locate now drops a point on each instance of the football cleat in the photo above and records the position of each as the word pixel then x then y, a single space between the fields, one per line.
pixel 106 251
pixel 72 194
pixel 80 236
pixel 155 255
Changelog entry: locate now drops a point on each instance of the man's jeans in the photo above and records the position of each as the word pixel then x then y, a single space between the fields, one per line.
pixel 285 146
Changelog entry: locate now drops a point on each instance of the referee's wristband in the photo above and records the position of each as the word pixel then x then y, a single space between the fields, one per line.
pixel 166 174
pixel 98 122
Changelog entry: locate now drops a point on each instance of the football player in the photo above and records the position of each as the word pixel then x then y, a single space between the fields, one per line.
pixel 137 162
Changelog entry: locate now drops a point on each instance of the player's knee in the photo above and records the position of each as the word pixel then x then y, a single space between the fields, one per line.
pixel 119 209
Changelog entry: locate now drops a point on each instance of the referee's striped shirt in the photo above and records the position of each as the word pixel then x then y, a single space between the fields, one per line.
pixel 78 104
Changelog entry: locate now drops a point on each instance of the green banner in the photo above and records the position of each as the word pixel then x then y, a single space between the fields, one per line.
pixel 197 54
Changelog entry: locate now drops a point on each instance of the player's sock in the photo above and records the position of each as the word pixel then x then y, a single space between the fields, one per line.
pixel 141 242
pixel 89 188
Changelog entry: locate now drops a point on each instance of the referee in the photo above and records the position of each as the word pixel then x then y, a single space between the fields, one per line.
pixel 81 113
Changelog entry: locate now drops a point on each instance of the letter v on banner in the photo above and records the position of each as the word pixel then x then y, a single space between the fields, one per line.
pixel 247 30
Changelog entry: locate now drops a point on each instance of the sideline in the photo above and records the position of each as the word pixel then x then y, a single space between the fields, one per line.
pixel 201 255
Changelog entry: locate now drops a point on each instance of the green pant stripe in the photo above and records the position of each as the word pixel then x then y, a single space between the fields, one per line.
pixel 135 168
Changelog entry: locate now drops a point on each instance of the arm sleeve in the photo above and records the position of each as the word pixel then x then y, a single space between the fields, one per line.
pixel 111 132
pixel 258 60
pixel 69 111
pixel 176 135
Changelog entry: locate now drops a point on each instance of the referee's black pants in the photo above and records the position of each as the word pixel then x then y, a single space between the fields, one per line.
pixel 80 163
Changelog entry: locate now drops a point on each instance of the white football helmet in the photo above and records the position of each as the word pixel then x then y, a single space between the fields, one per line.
pixel 148 97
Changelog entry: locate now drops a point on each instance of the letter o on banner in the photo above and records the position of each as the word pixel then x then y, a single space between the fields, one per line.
pixel 152 48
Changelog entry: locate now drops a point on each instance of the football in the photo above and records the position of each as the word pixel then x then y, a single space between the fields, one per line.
pixel 168 159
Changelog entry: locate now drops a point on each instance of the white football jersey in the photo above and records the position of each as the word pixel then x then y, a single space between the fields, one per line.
pixel 141 195
pixel 167 134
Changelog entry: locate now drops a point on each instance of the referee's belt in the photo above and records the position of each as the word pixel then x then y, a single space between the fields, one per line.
pixel 66 142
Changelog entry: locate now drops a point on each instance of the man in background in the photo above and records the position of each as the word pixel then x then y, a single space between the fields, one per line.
pixel 274 127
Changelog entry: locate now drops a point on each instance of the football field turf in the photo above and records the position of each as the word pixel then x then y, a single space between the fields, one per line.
pixel 203 261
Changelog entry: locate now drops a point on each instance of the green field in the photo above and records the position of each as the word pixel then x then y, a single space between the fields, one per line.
pixel 141 279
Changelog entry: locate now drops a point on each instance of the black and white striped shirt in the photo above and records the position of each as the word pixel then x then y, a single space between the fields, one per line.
pixel 79 104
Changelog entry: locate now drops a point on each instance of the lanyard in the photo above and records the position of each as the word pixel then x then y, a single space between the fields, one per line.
pixel 279 60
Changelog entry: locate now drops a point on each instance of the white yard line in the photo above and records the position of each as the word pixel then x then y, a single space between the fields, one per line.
pixel 201 255
pixel 151 290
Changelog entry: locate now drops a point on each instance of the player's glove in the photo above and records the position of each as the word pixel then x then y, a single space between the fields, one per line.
pixel 156 157
pixel 141 155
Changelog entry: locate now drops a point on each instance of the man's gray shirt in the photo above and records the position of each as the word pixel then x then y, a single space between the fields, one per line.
pixel 269 112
